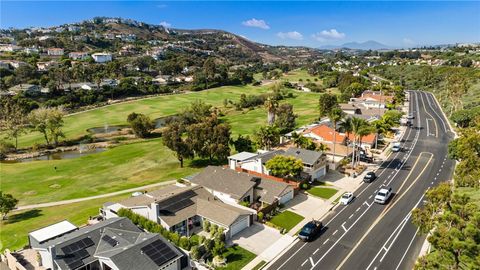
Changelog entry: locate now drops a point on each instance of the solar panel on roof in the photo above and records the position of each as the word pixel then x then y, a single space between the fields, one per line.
pixel 78 245
pixel 75 264
pixel 159 252
pixel 112 242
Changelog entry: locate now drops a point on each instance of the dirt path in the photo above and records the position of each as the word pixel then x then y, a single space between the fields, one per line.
pixel 49 204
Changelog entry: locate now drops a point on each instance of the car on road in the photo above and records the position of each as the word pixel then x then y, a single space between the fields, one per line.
pixel 396 147
pixel 369 177
pixel 410 116
pixel 346 198
pixel 310 230
pixel 383 195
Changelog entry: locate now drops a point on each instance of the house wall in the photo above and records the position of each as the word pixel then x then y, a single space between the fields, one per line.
pixel 254 165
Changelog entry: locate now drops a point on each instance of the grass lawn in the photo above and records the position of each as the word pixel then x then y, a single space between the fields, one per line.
pixel 77 125
pixel 14 231
pixel 237 258
pixel 322 192
pixel 126 166
pixel 286 220
pixel 297 74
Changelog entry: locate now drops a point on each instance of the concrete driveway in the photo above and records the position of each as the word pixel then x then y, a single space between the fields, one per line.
pixel 256 238
pixel 304 205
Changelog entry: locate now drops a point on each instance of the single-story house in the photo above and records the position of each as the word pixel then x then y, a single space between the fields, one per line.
pixel 78 55
pixel 183 210
pixel 115 243
pixel 27 89
pixel 45 66
pixel 235 186
pixel 102 57
pixel 55 51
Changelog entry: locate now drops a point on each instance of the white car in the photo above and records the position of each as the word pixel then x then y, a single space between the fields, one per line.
pixel 396 147
pixel 383 195
pixel 347 197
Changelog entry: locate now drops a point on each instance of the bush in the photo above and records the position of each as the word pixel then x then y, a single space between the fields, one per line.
pixel 213 230
pixel 305 186
pixel 141 124
pixel 209 244
pixel 201 239
pixel 195 252
pixel 260 216
pixel 218 248
pixel 245 203
pixel 175 238
pixel 184 243
pixel 206 225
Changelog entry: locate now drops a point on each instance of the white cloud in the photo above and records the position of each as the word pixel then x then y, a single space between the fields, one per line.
pixel 408 41
pixel 256 23
pixel 166 24
pixel 331 34
pixel 290 35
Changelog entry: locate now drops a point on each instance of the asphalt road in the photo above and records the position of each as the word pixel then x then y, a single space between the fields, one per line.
pixel 366 235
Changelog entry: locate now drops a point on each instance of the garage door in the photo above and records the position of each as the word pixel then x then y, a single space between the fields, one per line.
pixel 287 197
pixel 238 226
pixel 319 173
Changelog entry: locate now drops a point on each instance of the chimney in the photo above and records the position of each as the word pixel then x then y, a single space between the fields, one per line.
pixel 154 211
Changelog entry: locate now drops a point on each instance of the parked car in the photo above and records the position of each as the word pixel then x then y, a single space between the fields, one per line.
pixel 310 230
pixel 383 195
pixel 396 147
pixel 347 197
pixel 369 177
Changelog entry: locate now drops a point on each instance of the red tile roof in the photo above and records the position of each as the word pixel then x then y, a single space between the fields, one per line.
pixel 326 133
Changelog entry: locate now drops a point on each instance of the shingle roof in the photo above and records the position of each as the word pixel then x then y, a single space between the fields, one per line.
pixel 242 156
pixel 270 190
pixel 225 180
pixel 307 156
pixel 125 255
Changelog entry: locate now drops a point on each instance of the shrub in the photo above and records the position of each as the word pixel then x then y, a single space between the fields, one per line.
pixel 184 243
pixel 206 225
pixel 218 248
pixel 260 216
pixel 245 203
pixel 304 186
pixel 213 230
pixel 201 239
pixel 209 244
pixel 195 252
pixel 175 238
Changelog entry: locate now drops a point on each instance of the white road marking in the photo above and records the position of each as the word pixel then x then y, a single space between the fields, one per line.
pixel 357 209
pixel 350 217
pixel 367 203
pixel 408 247
pixel 343 226
pixel 326 241
pixel 311 261
pixel 304 262
pixel 335 232
pixel 316 251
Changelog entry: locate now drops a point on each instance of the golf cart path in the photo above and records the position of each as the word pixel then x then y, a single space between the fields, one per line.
pixel 49 204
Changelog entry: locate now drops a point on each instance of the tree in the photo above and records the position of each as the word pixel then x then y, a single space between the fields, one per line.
pixel 284 166
pixel 7 203
pixel 335 115
pixel 271 106
pixel 49 122
pixel 303 142
pixel 358 129
pixel 209 138
pixel 326 103
pixel 196 112
pixel 172 138
pixel 267 137
pixel 141 124
pixel 243 144
pixel 13 119
pixel 285 119
pixel 209 69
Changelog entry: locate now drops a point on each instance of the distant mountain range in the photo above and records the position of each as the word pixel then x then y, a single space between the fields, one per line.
pixel 367 45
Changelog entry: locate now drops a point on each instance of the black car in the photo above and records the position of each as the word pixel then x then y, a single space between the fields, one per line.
pixel 369 177
pixel 310 230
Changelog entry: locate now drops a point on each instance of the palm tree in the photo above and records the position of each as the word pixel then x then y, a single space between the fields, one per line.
pixel 365 130
pixel 346 127
pixel 380 128
pixel 271 106
pixel 335 115
pixel 357 125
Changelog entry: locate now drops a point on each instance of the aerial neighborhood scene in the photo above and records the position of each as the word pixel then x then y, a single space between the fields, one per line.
pixel 239 135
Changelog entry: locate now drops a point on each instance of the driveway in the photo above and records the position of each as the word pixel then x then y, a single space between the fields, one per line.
pixel 304 205
pixel 256 238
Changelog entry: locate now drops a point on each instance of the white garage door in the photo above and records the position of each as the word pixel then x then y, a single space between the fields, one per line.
pixel 238 226
pixel 287 197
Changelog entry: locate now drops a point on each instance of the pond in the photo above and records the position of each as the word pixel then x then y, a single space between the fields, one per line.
pixel 106 129
pixel 59 155
pixel 162 121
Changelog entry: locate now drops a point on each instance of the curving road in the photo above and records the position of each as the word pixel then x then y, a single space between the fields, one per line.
pixel 365 235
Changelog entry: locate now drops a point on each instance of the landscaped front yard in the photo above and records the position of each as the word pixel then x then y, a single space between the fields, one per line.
pixel 237 258
pixel 322 192
pixel 286 220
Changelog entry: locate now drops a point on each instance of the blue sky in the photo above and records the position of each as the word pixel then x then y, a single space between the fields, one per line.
pixel 290 23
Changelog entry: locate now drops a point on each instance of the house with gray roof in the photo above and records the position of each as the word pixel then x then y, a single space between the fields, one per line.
pixel 234 187
pixel 115 243
pixel 314 162
pixel 183 210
